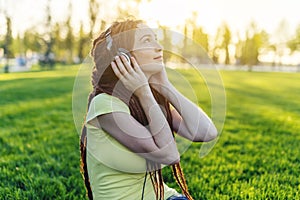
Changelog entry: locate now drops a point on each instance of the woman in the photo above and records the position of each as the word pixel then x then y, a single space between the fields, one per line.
pixel 128 134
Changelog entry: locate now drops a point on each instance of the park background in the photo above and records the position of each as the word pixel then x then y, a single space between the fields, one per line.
pixel 255 46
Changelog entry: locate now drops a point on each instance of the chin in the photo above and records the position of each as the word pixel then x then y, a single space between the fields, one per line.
pixel 153 68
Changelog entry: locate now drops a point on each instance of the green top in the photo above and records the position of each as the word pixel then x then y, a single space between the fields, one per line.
pixel 115 172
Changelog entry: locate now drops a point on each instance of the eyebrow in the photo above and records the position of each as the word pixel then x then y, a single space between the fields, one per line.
pixel 148 35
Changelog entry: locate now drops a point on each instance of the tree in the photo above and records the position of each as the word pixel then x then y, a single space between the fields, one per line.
pixel 48 58
pixel 82 48
pixel 281 35
pixel 294 44
pixel 8 43
pixel 58 46
pixel 222 42
pixel 248 50
pixel 185 49
pixel 226 42
pixel 166 42
pixel 200 37
pixel 30 41
pixel 127 9
pixel 69 40
pixel 93 12
pixel 17 46
pixel 194 33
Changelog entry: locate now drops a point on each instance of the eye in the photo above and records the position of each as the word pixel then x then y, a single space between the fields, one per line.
pixel 146 40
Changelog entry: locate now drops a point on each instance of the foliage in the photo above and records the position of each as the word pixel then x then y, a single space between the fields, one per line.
pixel 248 50
pixel 294 44
pixel 8 39
pixel 83 44
pixel 166 43
pixel 59 42
pixel 200 37
pixel 194 38
pixel 93 12
pixel 48 58
pixel 69 40
pixel 222 42
pixel 31 41
pixel 256 156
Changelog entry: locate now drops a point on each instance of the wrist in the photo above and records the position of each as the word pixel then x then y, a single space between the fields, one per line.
pixel 170 93
pixel 166 89
pixel 143 92
pixel 161 87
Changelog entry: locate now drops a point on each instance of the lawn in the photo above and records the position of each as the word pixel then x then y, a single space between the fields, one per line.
pixel 257 155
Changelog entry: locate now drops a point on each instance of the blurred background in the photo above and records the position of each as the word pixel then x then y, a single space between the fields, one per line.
pixel 234 33
pixel 42 46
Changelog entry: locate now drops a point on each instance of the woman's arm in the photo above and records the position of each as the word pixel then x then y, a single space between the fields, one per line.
pixel 155 142
pixel 137 138
pixel 189 120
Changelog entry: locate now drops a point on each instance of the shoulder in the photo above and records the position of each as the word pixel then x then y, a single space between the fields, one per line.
pixel 104 103
pixel 108 101
pixel 104 97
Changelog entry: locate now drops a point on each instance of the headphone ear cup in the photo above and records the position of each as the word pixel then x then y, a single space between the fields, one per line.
pixel 126 56
pixel 125 53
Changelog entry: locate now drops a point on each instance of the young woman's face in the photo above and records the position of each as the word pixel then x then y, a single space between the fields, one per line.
pixel 147 51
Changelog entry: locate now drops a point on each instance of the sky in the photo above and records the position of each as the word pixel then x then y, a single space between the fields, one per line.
pixel 211 13
pixel 237 13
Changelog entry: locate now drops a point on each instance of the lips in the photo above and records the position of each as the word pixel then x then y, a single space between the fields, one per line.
pixel 158 58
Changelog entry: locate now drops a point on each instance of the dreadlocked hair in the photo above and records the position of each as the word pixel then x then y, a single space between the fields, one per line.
pixel 104 81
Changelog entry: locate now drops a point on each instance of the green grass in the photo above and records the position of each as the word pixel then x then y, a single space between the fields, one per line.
pixel 39 144
pixel 256 157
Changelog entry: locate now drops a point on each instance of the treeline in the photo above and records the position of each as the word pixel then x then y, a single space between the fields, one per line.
pixel 58 42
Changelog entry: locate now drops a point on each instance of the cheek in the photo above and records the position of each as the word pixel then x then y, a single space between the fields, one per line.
pixel 143 57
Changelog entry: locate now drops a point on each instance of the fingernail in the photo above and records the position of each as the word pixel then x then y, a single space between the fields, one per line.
pixel 116 57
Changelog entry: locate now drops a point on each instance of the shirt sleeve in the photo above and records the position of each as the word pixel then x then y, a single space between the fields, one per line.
pixel 103 104
pixel 102 146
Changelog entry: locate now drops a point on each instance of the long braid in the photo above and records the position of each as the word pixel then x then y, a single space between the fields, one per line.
pixel 176 168
pixel 84 165
pixel 84 171
pixel 161 184
pixel 179 176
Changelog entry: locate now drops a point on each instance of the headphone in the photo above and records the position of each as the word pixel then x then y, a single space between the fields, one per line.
pixel 121 51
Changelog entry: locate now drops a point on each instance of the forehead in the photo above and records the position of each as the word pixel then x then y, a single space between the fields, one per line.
pixel 143 29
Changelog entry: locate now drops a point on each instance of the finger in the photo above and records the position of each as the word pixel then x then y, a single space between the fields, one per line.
pixel 120 65
pixel 116 70
pixel 127 64
pixel 135 64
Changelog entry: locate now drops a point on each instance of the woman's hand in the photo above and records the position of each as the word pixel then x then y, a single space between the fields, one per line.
pixel 160 81
pixel 132 77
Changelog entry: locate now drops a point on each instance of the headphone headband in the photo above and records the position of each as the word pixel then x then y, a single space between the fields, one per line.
pixel 120 51
pixel 108 39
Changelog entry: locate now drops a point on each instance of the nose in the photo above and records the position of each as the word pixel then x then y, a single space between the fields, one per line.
pixel 158 47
